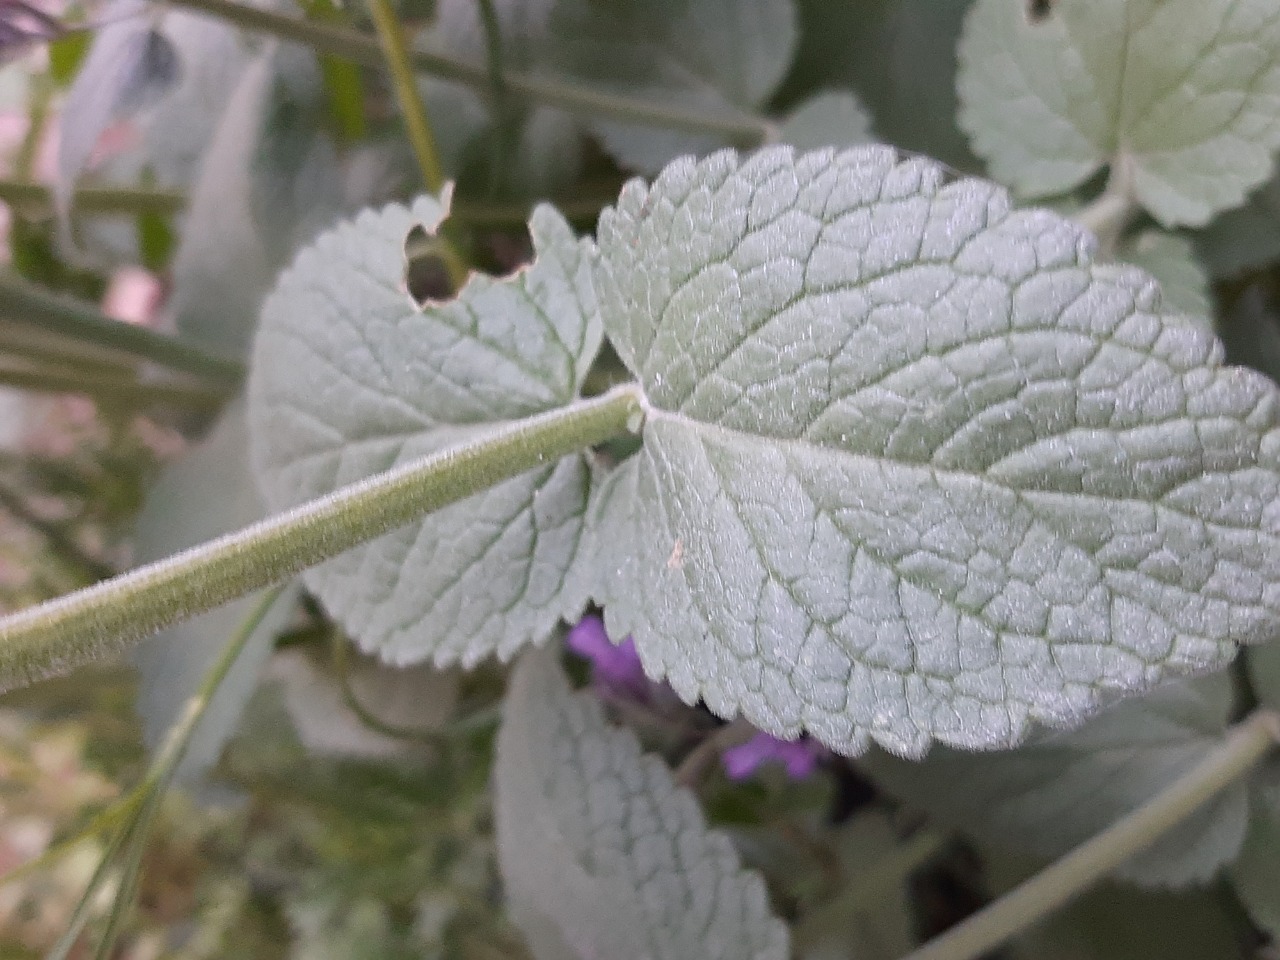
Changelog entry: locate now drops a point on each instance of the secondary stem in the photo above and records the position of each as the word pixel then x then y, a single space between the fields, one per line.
pixel 56 636
pixel 94 199
pixel 395 53
pixel 1027 904
pixel 24 302
pixel 740 129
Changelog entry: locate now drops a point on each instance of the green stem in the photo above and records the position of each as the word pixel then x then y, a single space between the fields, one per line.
pixel 24 302
pixel 1243 748
pixel 1111 212
pixel 56 636
pixel 741 129
pixel 93 199
pixel 143 802
pixel 395 53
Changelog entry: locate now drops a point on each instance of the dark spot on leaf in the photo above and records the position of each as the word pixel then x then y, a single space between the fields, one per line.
pixel 1039 10
pixel 426 276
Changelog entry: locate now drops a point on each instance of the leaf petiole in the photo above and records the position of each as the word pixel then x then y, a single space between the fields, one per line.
pixel 57 636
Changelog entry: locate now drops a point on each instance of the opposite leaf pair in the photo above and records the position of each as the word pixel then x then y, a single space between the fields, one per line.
pixel 914 466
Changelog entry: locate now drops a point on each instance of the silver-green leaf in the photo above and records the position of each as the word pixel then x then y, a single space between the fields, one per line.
pixel 350 376
pixel 602 854
pixel 1171 260
pixel 1185 91
pixel 915 467
pixel 1061 788
pixel 829 119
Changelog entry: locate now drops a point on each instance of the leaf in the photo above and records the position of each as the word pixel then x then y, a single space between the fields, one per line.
pixel 1264 673
pixel 407 700
pixel 602 854
pixel 206 493
pixel 1250 331
pixel 1115 922
pixel 722 56
pixel 915 466
pixel 264 188
pixel 829 119
pixel 873 916
pixel 176 130
pixel 900 57
pixel 1062 787
pixel 1184 91
pixel 1171 260
pixel 350 377
pixel 1256 874
pixel 531 150
pixel 129 65
pixel 1245 238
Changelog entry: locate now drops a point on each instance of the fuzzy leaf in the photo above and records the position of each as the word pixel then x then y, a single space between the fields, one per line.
pixel 1060 788
pixel 602 854
pixel 915 466
pixel 1171 260
pixel 350 377
pixel 207 493
pixel 1186 91
pixel 831 119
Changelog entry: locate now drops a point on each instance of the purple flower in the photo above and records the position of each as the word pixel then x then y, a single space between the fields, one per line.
pixel 615 666
pixel 800 757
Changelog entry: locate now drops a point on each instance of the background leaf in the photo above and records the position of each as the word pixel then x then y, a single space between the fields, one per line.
pixel 1256 875
pixel 206 493
pixel 831 119
pixel 268 183
pixel 350 377
pixel 601 853
pixel 1245 238
pixel 915 466
pixel 128 67
pixel 1171 259
pixel 1115 922
pixel 1061 787
pixel 1184 90
pixel 900 57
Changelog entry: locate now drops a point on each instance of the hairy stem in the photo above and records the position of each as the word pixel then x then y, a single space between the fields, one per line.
pixel 1052 888
pixel 24 302
pixel 56 636
pixel 741 129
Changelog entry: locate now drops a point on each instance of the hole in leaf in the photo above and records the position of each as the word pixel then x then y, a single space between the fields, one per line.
pixel 1039 10
pixel 426 275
